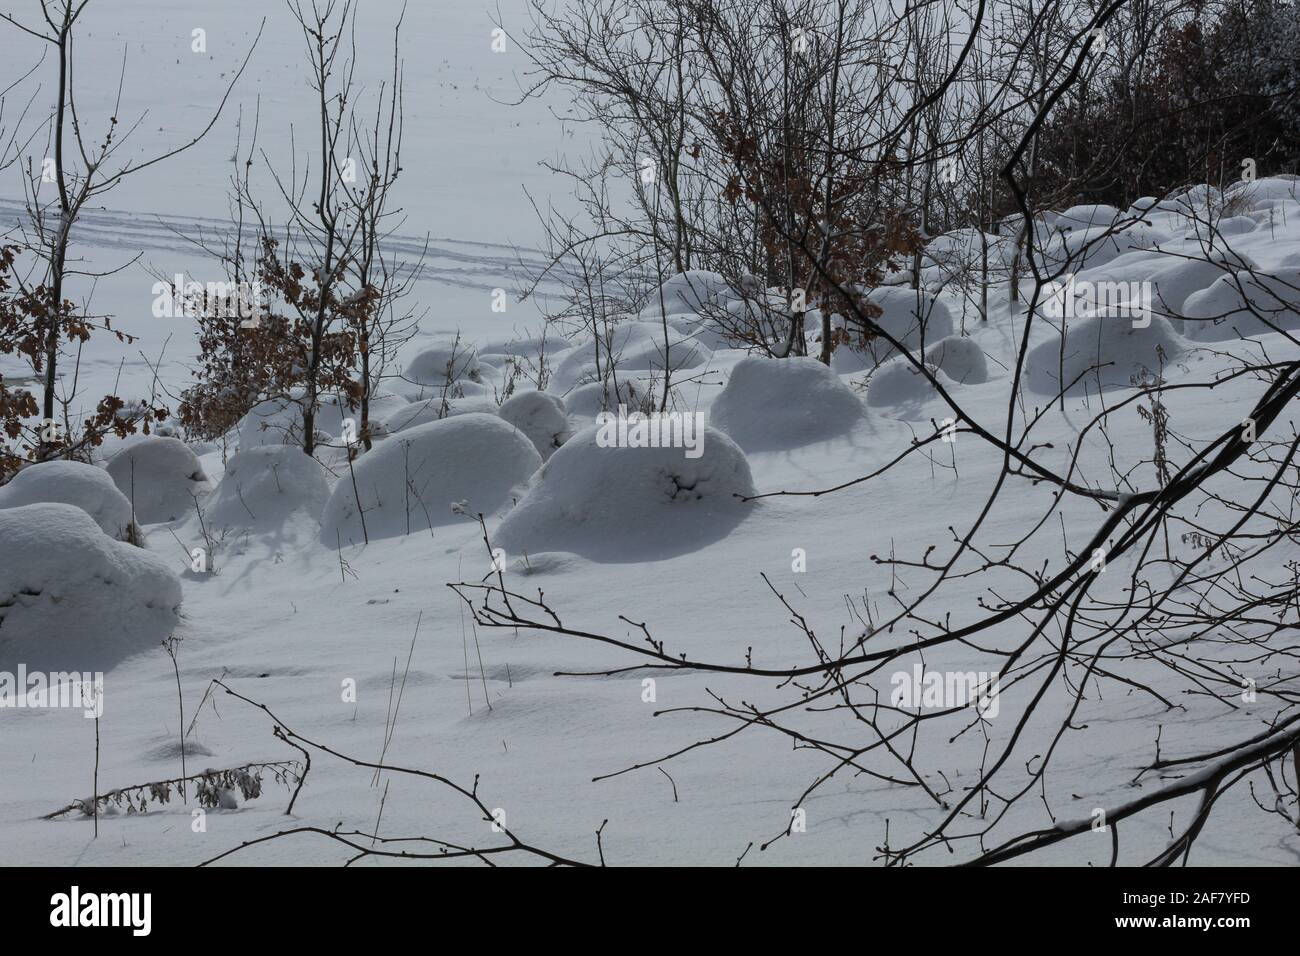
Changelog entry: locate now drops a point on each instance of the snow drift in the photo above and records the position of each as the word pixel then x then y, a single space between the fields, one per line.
pixel 911 317
pixel 412 481
pixel 784 403
pixel 1100 352
pixel 72 483
pixel 619 504
pixel 263 487
pixel 541 416
pixel 961 359
pixel 71 597
pixel 1242 304
pixel 161 477
pixel 442 363
pixel 278 421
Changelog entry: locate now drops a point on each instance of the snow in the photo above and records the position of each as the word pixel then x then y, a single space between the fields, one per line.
pixel 442 364
pixel 696 291
pixel 912 317
pixel 622 504
pixel 1087 217
pixel 633 347
pixel 264 487
pixel 72 483
pixel 587 401
pixel 787 404
pixel 425 410
pixel 1098 245
pixel 960 358
pixel 541 417
pixel 899 386
pixel 611 535
pixel 1221 312
pixel 411 481
pixel 1263 192
pixel 161 478
pixel 1101 352
pixel 72 598
pixel 278 421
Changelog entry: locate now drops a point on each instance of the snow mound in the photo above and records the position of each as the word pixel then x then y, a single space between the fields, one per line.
pixel 442 363
pixel 1101 340
pixel 526 348
pixel 263 487
pixel 1140 207
pixel 72 483
pixel 588 401
pixel 898 384
pixel 1235 225
pixel 434 409
pixel 1224 309
pixel 278 421
pixel 161 477
pixel 72 598
pixel 411 481
pixel 784 403
pixel 1172 283
pixel 619 504
pixel 634 347
pixel 964 249
pixel 1195 202
pixel 911 316
pixel 541 416
pixel 1087 217
pixel 1262 193
pixel 1098 245
pixel 694 291
pixel 961 359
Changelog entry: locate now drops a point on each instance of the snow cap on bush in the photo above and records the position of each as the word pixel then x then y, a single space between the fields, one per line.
pixel 73 483
pixel 71 597
pixel 433 474
pixel 161 478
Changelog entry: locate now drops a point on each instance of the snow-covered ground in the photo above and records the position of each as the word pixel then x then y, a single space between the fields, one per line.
pixel 295 611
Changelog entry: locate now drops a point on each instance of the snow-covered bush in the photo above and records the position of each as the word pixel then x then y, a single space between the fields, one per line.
pixel 960 358
pixel 1098 245
pixel 73 483
pixel 278 421
pixel 784 403
pixel 1087 217
pixel 627 504
pixel 588 401
pixel 442 364
pixel 1262 193
pixel 1224 310
pixel 429 475
pixel 1101 351
pixel 694 291
pixel 910 316
pixel 541 416
pixel 262 487
pixel 633 347
pixel 71 597
pixel 1173 282
pixel 433 409
pixel 900 386
pixel 161 477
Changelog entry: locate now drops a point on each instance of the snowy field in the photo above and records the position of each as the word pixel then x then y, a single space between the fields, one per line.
pixel 325 593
